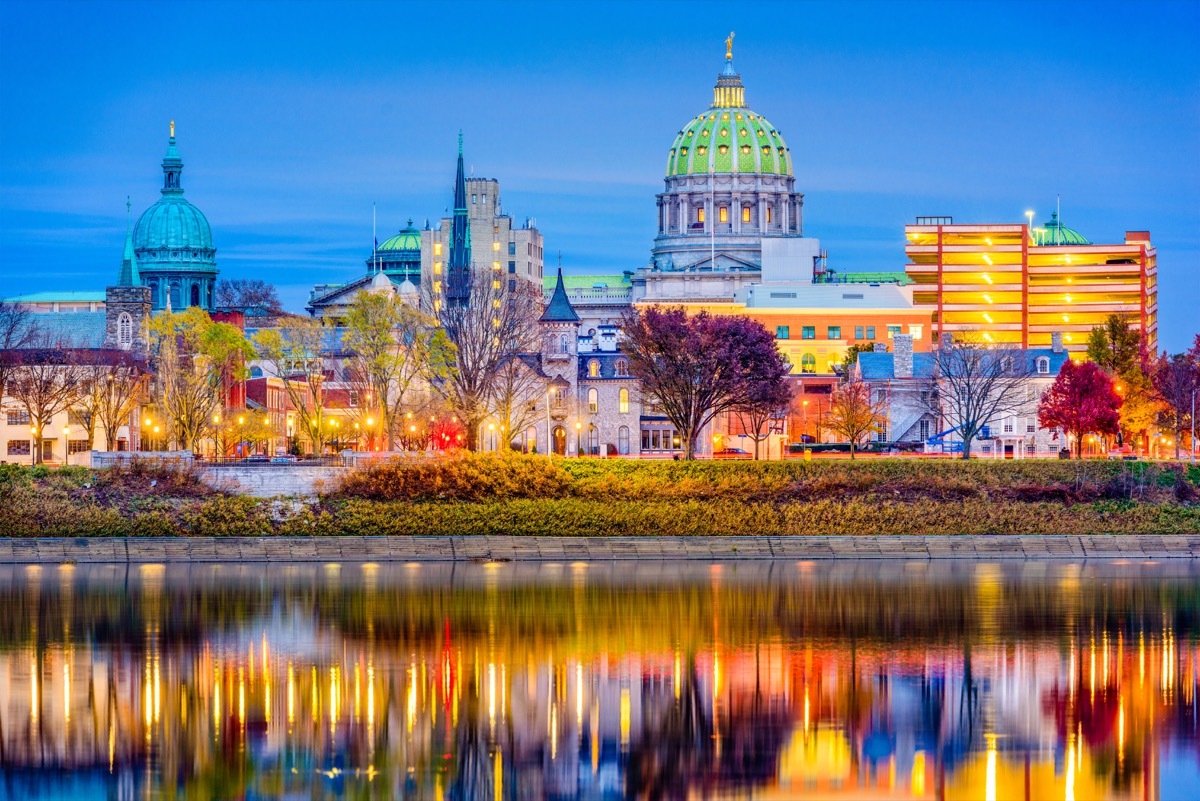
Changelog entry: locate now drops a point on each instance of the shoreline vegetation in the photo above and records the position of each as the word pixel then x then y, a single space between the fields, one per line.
pixel 489 494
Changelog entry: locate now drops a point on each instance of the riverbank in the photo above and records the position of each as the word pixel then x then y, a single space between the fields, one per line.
pixel 83 550
pixel 536 496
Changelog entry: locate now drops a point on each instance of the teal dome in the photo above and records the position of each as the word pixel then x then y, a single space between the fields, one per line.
pixel 173 244
pixel 729 137
pixel 1055 233
pixel 409 240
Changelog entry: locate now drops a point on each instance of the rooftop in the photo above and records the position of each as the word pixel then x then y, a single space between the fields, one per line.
pixel 803 295
pixel 59 297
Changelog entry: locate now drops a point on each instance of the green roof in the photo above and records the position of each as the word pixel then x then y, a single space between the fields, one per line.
pixel 1055 233
pixel 875 278
pixel 67 296
pixel 618 281
pixel 409 238
pixel 729 140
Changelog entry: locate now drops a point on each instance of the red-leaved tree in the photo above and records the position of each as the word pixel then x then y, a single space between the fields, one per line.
pixel 699 366
pixel 1177 380
pixel 1082 400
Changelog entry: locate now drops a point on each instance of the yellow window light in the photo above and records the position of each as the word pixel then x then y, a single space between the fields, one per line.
pixel 988 239
pixel 1068 338
pixel 495 245
pixel 988 317
pixel 988 259
pixel 987 297
pixel 988 337
pixel 1068 297
pixel 987 278
pixel 1066 318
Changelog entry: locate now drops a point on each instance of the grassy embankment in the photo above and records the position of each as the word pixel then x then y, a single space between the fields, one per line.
pixel 533 495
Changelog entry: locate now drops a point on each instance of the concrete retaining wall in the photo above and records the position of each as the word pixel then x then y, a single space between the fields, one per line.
pixel 267 481
pixel 53 550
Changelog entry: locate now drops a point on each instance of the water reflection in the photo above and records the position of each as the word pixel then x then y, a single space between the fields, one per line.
pixel 646 680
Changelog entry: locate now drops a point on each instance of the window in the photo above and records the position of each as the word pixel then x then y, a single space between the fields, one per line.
pixel 808 332
pixel 18 447
pixel 125 331
pixel 512 248
pixel 175 297
pixel 723 215
pixel 593 370
pixel 858 332
pixel 563 346
pixel 623 401
pixel 496 246
pixel 699 214
pixel 512 285
pixel 77 446
pixel 18 417
pixel 353 397
pixel 745 214
pixel 870 332
pixel 195 295
pixel 834 332
pixel 1008 425
pixel 512 268
pixel 593 440
pixel 1043 365
pixel 622 368
pixel 593 401
pixel 75 417
pixel 923 431
pixel 1006 364
pixel 437 248
pixel 892 331
pixel 473 197
pixel 623 440
pixel 782 332
pixel 1030 427
pixel 769 215
pixel 808 363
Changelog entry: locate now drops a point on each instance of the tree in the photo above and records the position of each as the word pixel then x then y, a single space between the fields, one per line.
pixel 295 352
pixel 17 330
pixel 1082 400
pixel 251 296
pixel 194 359
pixel 851 358
pixel 1116 345
pixel 698 367
pixel 977 381
pixel 495 325
pixel 117 388
pixel 46 379
pixel 765 401
pixel 517 389
pixel 854 415
pixel 394 348
pixel 1177 379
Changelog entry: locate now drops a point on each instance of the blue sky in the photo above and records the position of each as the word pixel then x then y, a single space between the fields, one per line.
pixel 293 118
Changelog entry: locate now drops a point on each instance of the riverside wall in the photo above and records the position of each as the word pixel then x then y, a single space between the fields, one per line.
pixel 60 550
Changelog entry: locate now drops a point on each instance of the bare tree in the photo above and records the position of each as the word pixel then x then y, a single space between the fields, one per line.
pixel 115 388
pixel 854 414
pixel 977 382
pixel 17 331
pixel 765 401
pixel 493 326
pixel 518 388
pixel 251 296
pixel 46 379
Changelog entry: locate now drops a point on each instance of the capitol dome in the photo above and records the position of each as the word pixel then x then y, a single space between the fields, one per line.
pixel 1055 233
pixel 173 244
pixel 408 240
pixel 399 256
pixel 729 137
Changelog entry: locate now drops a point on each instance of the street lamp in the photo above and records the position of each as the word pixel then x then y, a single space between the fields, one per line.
pixel 216 431
pixel 33 445
pixel 67 445
pixel 578 442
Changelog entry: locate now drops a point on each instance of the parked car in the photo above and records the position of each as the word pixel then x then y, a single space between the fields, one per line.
pixel 283 458
pixel 731 453
pixel 257 458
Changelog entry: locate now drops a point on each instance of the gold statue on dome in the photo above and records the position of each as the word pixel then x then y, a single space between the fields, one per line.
pixel 729 46
pixel 172 129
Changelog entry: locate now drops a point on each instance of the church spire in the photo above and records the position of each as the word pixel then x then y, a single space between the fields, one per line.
pixel 172 166
pixel 129 271
pixel 459 265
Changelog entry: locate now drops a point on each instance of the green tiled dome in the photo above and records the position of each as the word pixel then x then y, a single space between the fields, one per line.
pixel 729 140
pixel 409 239
pixel 1055 233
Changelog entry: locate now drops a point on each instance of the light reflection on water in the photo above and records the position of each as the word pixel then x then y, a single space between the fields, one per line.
pixel 601 680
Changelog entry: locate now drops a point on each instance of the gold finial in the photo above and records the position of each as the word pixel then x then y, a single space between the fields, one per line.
pixel 729 47
pixel 172 129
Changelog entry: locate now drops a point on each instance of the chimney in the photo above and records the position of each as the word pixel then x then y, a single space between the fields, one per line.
pixel 879 347
pixel 1056 344
pixel 902 345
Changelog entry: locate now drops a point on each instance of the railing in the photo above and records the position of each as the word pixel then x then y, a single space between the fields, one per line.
pixel 259 460
pixel 125 458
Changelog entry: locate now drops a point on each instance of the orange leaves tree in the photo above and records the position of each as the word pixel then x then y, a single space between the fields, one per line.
pixel 854 415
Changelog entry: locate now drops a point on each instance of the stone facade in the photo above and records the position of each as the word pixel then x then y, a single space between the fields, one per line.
pixel 127 317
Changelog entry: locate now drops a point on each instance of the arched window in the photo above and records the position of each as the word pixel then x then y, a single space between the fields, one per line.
pixel 560 440
pixel 622 368
pixel 1043 365
pixel 195 294
pixel 593 440
pixel 623 402
pixel 623 440
pixel 808 363
pixel 256 372
pixel 125 331
pixel 593 369
pixel 563 345
pixel 531 440
pixel 176 299
pixel 593 401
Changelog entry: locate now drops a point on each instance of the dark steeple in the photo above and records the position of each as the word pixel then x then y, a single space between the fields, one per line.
pixel 559 309
pixel 129 271
pixel 458 289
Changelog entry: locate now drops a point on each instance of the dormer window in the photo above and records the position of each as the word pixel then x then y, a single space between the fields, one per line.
pixel 622 368
pixel 1043 366
pixel 593 369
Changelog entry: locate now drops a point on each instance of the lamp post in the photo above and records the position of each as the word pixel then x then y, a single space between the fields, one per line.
pixel 216 432
pixel 33 445
pixel 549 444
pixel 491 436
pixel 578 429
pixel 804 419
pixel 67 446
